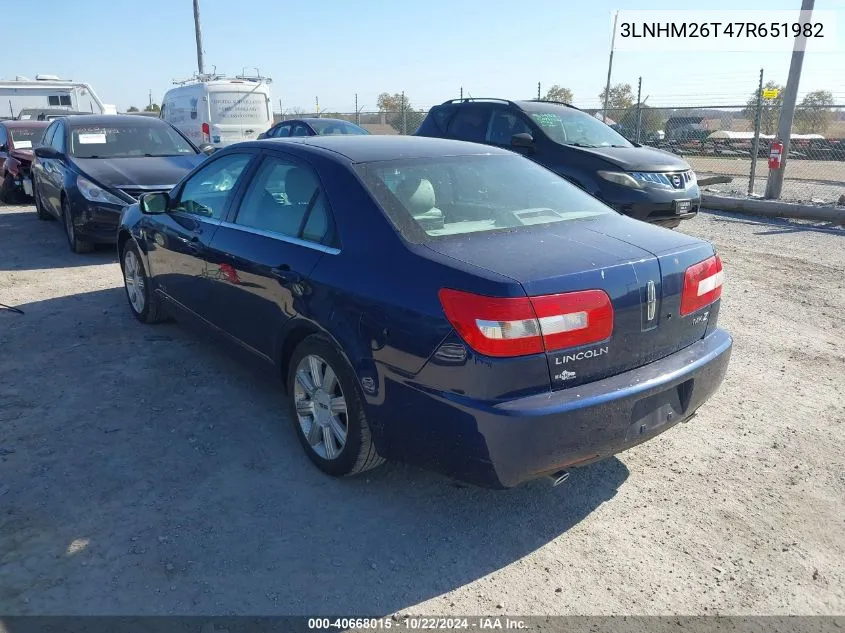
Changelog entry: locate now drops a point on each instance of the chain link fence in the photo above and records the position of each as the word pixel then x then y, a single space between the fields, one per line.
pixel 719 142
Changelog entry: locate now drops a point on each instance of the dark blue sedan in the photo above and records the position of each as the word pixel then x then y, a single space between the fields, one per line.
pixel 445 303
pixel 88 167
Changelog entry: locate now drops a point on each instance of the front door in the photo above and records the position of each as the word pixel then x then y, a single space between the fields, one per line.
pixel 261 261
pixel 178 240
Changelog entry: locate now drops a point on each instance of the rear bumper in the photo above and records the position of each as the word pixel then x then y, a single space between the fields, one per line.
pixel 507 443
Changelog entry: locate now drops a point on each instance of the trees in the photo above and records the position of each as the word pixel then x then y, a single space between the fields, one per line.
pixel 771 109
pixel 153 107
pixel 132 109
pixel 649 119
pixel 814 114
pixel 621 97
pixel 559 93
pixel 398 111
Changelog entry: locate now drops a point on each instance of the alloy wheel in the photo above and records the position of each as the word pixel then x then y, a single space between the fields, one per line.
pixel 320 407
pixel 133 277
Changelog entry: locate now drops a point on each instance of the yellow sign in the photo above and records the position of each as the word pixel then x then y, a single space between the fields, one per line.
pixel 771 94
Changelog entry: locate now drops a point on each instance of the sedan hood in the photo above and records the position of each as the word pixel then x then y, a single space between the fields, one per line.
pixel 638 158
pixel 142 171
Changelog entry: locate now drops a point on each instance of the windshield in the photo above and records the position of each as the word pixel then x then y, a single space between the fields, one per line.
pixel 127 140
pixel 25 137
pixel 572 127
pixel 436 197
pixel 239 108
pixel 336 127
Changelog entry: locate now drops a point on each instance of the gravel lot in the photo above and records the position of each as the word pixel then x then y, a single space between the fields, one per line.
pixel 147 470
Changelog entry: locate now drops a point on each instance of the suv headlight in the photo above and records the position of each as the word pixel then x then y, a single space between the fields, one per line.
pixel 622 178
pixel 92 192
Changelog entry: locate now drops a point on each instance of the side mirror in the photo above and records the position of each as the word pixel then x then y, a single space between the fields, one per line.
pixel 207 149
pixel 154 203
pixel 46 151
pixel 523 140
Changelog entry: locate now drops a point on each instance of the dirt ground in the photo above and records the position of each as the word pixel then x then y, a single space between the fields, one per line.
pixel 147 470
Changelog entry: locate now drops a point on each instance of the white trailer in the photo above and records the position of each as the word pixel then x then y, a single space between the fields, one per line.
pixel 48 91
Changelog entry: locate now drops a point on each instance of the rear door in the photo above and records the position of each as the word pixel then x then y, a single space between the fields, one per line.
pixel 260 259
pixel 177 241
pixel 237 115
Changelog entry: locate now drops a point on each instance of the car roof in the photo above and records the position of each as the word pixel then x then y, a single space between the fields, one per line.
pixel 109 119
pixel 315 119
pixel 526 105
pixel 371 148
pixel 25 123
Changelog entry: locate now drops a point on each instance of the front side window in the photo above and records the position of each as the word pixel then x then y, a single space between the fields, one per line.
pixel 286 198
pixel 124 140
pixel 438 197
pixel 568 126
pixel 47 139
pixel 300 129
pixel 207 192
pixel 283 131
pixel 58 140
pixel 503 125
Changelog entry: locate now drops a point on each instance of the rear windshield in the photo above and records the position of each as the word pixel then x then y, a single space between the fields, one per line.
pixel 443 196
pixel 234 108
pixel 26 137
pixel 337 127
pixel 127 140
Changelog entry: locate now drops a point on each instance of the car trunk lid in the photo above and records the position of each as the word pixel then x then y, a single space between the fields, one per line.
pixel 644 284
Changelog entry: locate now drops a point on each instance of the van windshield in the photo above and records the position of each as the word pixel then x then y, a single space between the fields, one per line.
pixel 239 108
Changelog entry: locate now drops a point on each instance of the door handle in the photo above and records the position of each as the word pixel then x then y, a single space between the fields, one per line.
pixel 284 274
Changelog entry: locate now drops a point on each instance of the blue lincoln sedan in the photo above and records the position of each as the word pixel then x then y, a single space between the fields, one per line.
pixel 449 304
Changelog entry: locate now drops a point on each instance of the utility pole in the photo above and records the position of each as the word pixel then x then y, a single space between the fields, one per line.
pixel 538 91
pixel 756 148
pixel 404 115
pixel 462 93
pixel 610 65
pixel 357 114
pixel 639 107
pixel 198 29
pixel 774 185
pixel 151 98
pixel 317 104
pixel 280 108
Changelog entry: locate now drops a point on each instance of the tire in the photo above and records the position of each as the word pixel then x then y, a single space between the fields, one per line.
pixel 40 211
pixel 357 453
pixel 144 304
pixel 7 190
pixel 76 245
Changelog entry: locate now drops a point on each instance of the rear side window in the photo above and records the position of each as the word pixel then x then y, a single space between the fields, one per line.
pixel 450 195
pixel 470 124
pixel 286 198
pixel 441 116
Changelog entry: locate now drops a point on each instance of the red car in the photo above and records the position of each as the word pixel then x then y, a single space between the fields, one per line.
pixel 18 139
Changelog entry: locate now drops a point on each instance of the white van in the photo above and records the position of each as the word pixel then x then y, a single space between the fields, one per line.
pixel 220 111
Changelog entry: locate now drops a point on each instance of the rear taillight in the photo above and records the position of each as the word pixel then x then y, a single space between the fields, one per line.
pixel 702 285
pixel 206 132
pixel 518 326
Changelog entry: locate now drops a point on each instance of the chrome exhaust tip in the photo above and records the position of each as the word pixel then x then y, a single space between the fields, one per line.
pixel 558 478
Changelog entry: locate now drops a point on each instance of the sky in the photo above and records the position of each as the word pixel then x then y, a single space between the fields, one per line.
pixel 331 50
